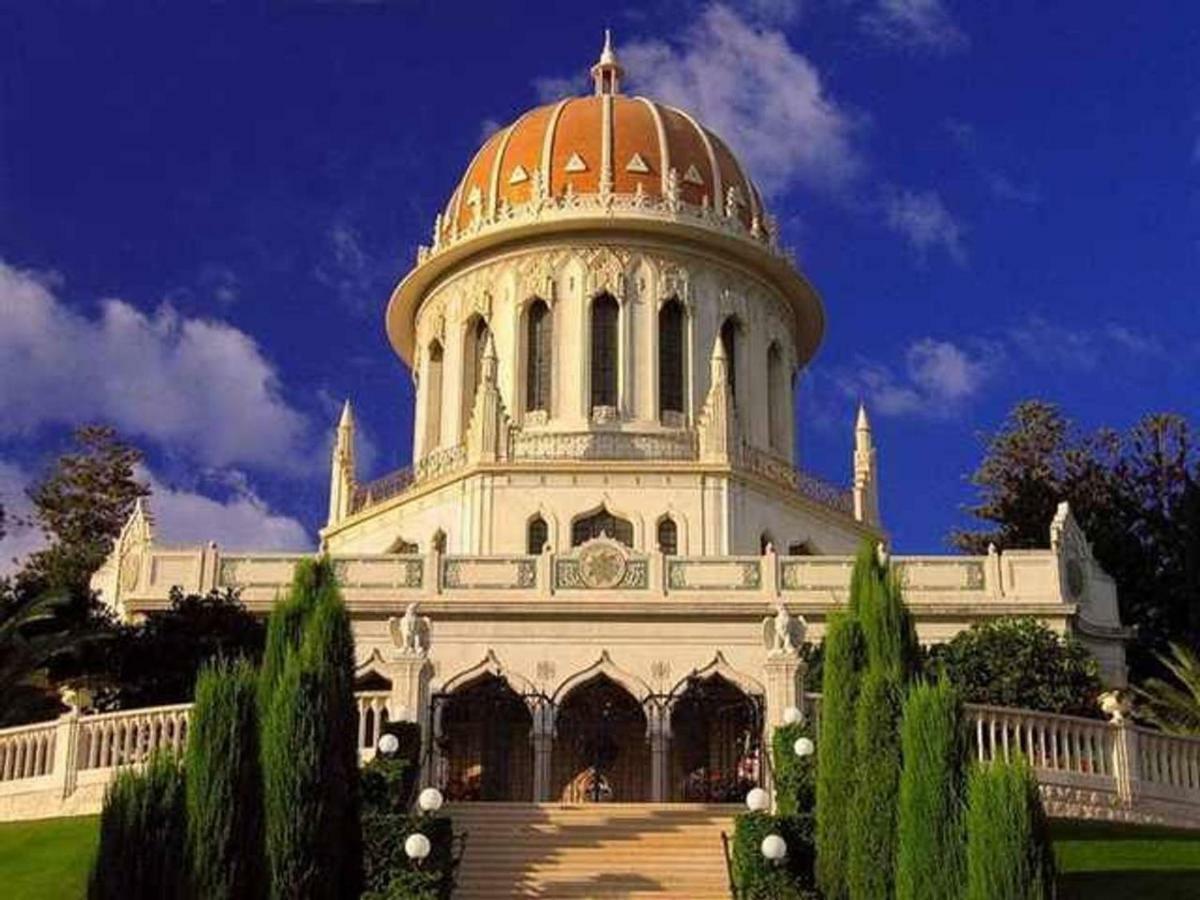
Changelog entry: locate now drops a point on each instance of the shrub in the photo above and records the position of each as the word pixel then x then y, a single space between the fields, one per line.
pixel 871 821
pixel 143 834
pixel 387 785
pixel 756 878
pixel 1008 852
pixel 1020 662
pixel 224 785
pixel 795 778
pixel 931 839
pixel 843 659
pixel 388 874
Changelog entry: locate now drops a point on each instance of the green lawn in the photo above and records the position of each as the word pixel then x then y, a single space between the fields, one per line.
pixel 1106 861
pixel 1096 860
pixel 47 858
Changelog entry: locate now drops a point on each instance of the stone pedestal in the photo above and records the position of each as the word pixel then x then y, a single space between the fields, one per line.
pixel 784 677
pixel 409 674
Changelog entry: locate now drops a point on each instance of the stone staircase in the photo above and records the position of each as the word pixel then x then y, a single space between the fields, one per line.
pixel 626 850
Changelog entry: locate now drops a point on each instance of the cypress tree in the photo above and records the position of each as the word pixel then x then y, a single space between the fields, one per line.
pixel 310 771
pixel 931 835
pixel 1008 854
pixel 844 654
pixel 224 785
pixel 876 787
pixel 143 834
pixel 285 625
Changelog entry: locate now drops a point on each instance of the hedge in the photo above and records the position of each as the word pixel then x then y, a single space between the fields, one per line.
pixel 1008 850
pixel 754 878
pixel 795 778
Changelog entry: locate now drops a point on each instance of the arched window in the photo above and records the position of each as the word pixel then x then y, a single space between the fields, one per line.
pixel 473 350
pixel 776 411
pixel 537 536
pixel 605 336
pixel 602 522
pixel 729 342
pixel 764 541
pixel 439 541
pixel 668 536
pixel 670 357
pixel 400 545
pixel 537 357
pixel 433 397
pixel 800 548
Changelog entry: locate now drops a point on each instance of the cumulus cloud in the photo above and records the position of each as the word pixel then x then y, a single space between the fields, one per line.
pixel 938 378
pixel 1083 349
pixel 914 24
pixel 758 93
pixel 235 518
pixel 924 221
pixel 199 385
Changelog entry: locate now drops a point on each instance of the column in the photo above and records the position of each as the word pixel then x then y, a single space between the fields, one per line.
pixel 785 686
pixel 658 735
pixel 541 737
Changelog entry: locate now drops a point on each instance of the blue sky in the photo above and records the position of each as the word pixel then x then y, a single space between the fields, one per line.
pixel 203 211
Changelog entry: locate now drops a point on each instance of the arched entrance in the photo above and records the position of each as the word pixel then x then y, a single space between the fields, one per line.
pixel 715 742
pixel 485 742
pixel 600 750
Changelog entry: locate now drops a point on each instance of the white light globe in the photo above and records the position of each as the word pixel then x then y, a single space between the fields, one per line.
pixel 804 747
pixel 774 848
pixel 416 846
pixel 430 800
pixel 388 744
pixel 791 715
pixel 757 800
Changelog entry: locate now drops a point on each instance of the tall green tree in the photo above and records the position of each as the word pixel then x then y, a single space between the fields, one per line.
pixel 81 504
pixel 1173 704
pixel 224 785
pixel 1136 494
pixel 313 835
pixel 931 841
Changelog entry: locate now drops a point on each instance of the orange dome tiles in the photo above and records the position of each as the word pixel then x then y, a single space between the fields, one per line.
pixel 576 149
pixel 636 159
pixel 564 142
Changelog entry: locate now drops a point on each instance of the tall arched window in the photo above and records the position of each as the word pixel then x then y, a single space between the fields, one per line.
pixel 764 541
pixel 433 397
pixel 473 350
pixel 537 356
pixel 537 536
pixel 776 411
pixel 602 522
pixel 729 342
pixel 670 357
pixel 605 355
pixel 668 536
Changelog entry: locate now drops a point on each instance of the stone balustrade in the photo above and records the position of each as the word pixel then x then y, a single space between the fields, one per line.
pixel 1087 768
pixel 1031 581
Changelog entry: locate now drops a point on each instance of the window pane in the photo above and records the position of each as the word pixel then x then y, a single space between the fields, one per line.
pixel 604 351
pixel 668 541
pixel 538 343
pixel 538 535
pixel 670 357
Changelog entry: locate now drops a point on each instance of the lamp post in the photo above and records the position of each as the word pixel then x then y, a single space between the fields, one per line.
pixel 792 715
pixel 388 744
pixel 804 747
pixel 773 849
pixel 430 800
pixel 417 847
pixel 758 800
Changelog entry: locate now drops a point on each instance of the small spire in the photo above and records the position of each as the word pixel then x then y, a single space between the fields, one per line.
pixel 862 429
pixel 347 419
pixel 490 360
pixel 607 72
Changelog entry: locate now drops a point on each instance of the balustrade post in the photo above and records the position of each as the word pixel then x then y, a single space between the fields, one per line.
pixel 66 751
pixel 545 573
pixel 770 575
pixel 1125 759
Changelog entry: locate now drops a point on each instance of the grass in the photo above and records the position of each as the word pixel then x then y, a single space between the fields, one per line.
pixel 1096 860
pixel 47 858
pixel 1108 860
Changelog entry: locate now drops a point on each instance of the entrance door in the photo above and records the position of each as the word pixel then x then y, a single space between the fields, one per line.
pixel 715 746
pixel 600 752
pixel 485 741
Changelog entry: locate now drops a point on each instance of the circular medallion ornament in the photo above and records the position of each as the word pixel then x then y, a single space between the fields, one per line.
pixel 1074 578
pixel 131 569
pixel 601 566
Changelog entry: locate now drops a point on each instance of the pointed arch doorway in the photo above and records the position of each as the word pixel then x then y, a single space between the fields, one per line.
pixel 485 728
pixel 600 752
pixel 716 744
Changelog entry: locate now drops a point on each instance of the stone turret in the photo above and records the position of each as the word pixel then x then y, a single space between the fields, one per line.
pixel 866 472
pixel 718 421
pixel 487 436
pixel 342 474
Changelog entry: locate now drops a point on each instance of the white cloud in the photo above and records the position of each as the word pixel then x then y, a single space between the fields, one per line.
pixel 755 91
pixel 925 222
pixel 939 377
pixel 550 88
pixel 238 519
pixel 916 24
pixel 1005 188
pixel 200 385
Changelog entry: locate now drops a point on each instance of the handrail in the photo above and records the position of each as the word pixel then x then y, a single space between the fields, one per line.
pixel 733 888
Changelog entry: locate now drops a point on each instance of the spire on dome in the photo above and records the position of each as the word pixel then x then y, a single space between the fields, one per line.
pixel 607 72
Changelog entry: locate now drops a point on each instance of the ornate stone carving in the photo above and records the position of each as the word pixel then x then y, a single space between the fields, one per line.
pixel 601 565
pixel 410 632
pixel 782 633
